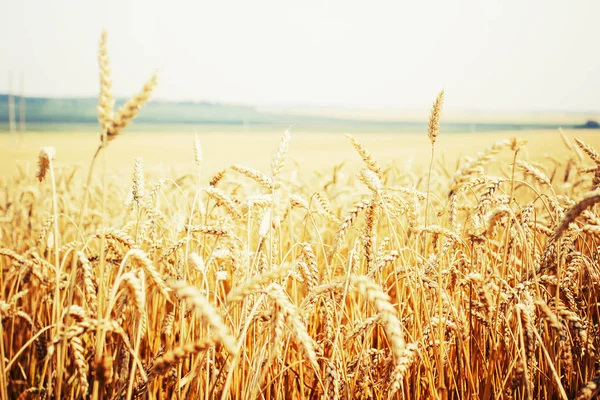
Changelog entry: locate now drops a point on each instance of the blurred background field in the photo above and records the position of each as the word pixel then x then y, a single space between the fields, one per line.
pixel 244 134
pixel 170 147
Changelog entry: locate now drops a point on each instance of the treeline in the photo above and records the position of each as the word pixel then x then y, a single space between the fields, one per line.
pixel 48 112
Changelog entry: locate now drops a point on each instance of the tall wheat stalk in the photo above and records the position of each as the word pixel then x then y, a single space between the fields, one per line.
pixel 432 133
pixel 112 124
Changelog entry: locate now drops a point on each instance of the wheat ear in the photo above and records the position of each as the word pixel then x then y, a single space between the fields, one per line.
pixel 219 330
pixel 434 118
pixel 106 101
pixel 574 212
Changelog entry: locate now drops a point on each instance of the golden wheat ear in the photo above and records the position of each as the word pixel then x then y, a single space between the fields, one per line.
pixel 45 157
pixel 130 109
pixel 106 101
pixel 434 118
pixel 112 124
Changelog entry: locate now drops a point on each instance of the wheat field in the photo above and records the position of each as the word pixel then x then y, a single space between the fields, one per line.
pixel 415 271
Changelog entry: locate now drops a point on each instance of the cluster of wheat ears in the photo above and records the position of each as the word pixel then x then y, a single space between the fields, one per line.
pixel 384 284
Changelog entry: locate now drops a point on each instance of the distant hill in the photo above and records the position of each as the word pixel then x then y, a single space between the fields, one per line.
pixel 590 124
pixel 83 110
pixel 43 113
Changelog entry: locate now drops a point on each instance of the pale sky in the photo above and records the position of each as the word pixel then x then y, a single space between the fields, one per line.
pixel 516 55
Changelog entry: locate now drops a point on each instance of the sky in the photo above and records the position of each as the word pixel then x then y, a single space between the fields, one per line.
pixel 508 55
